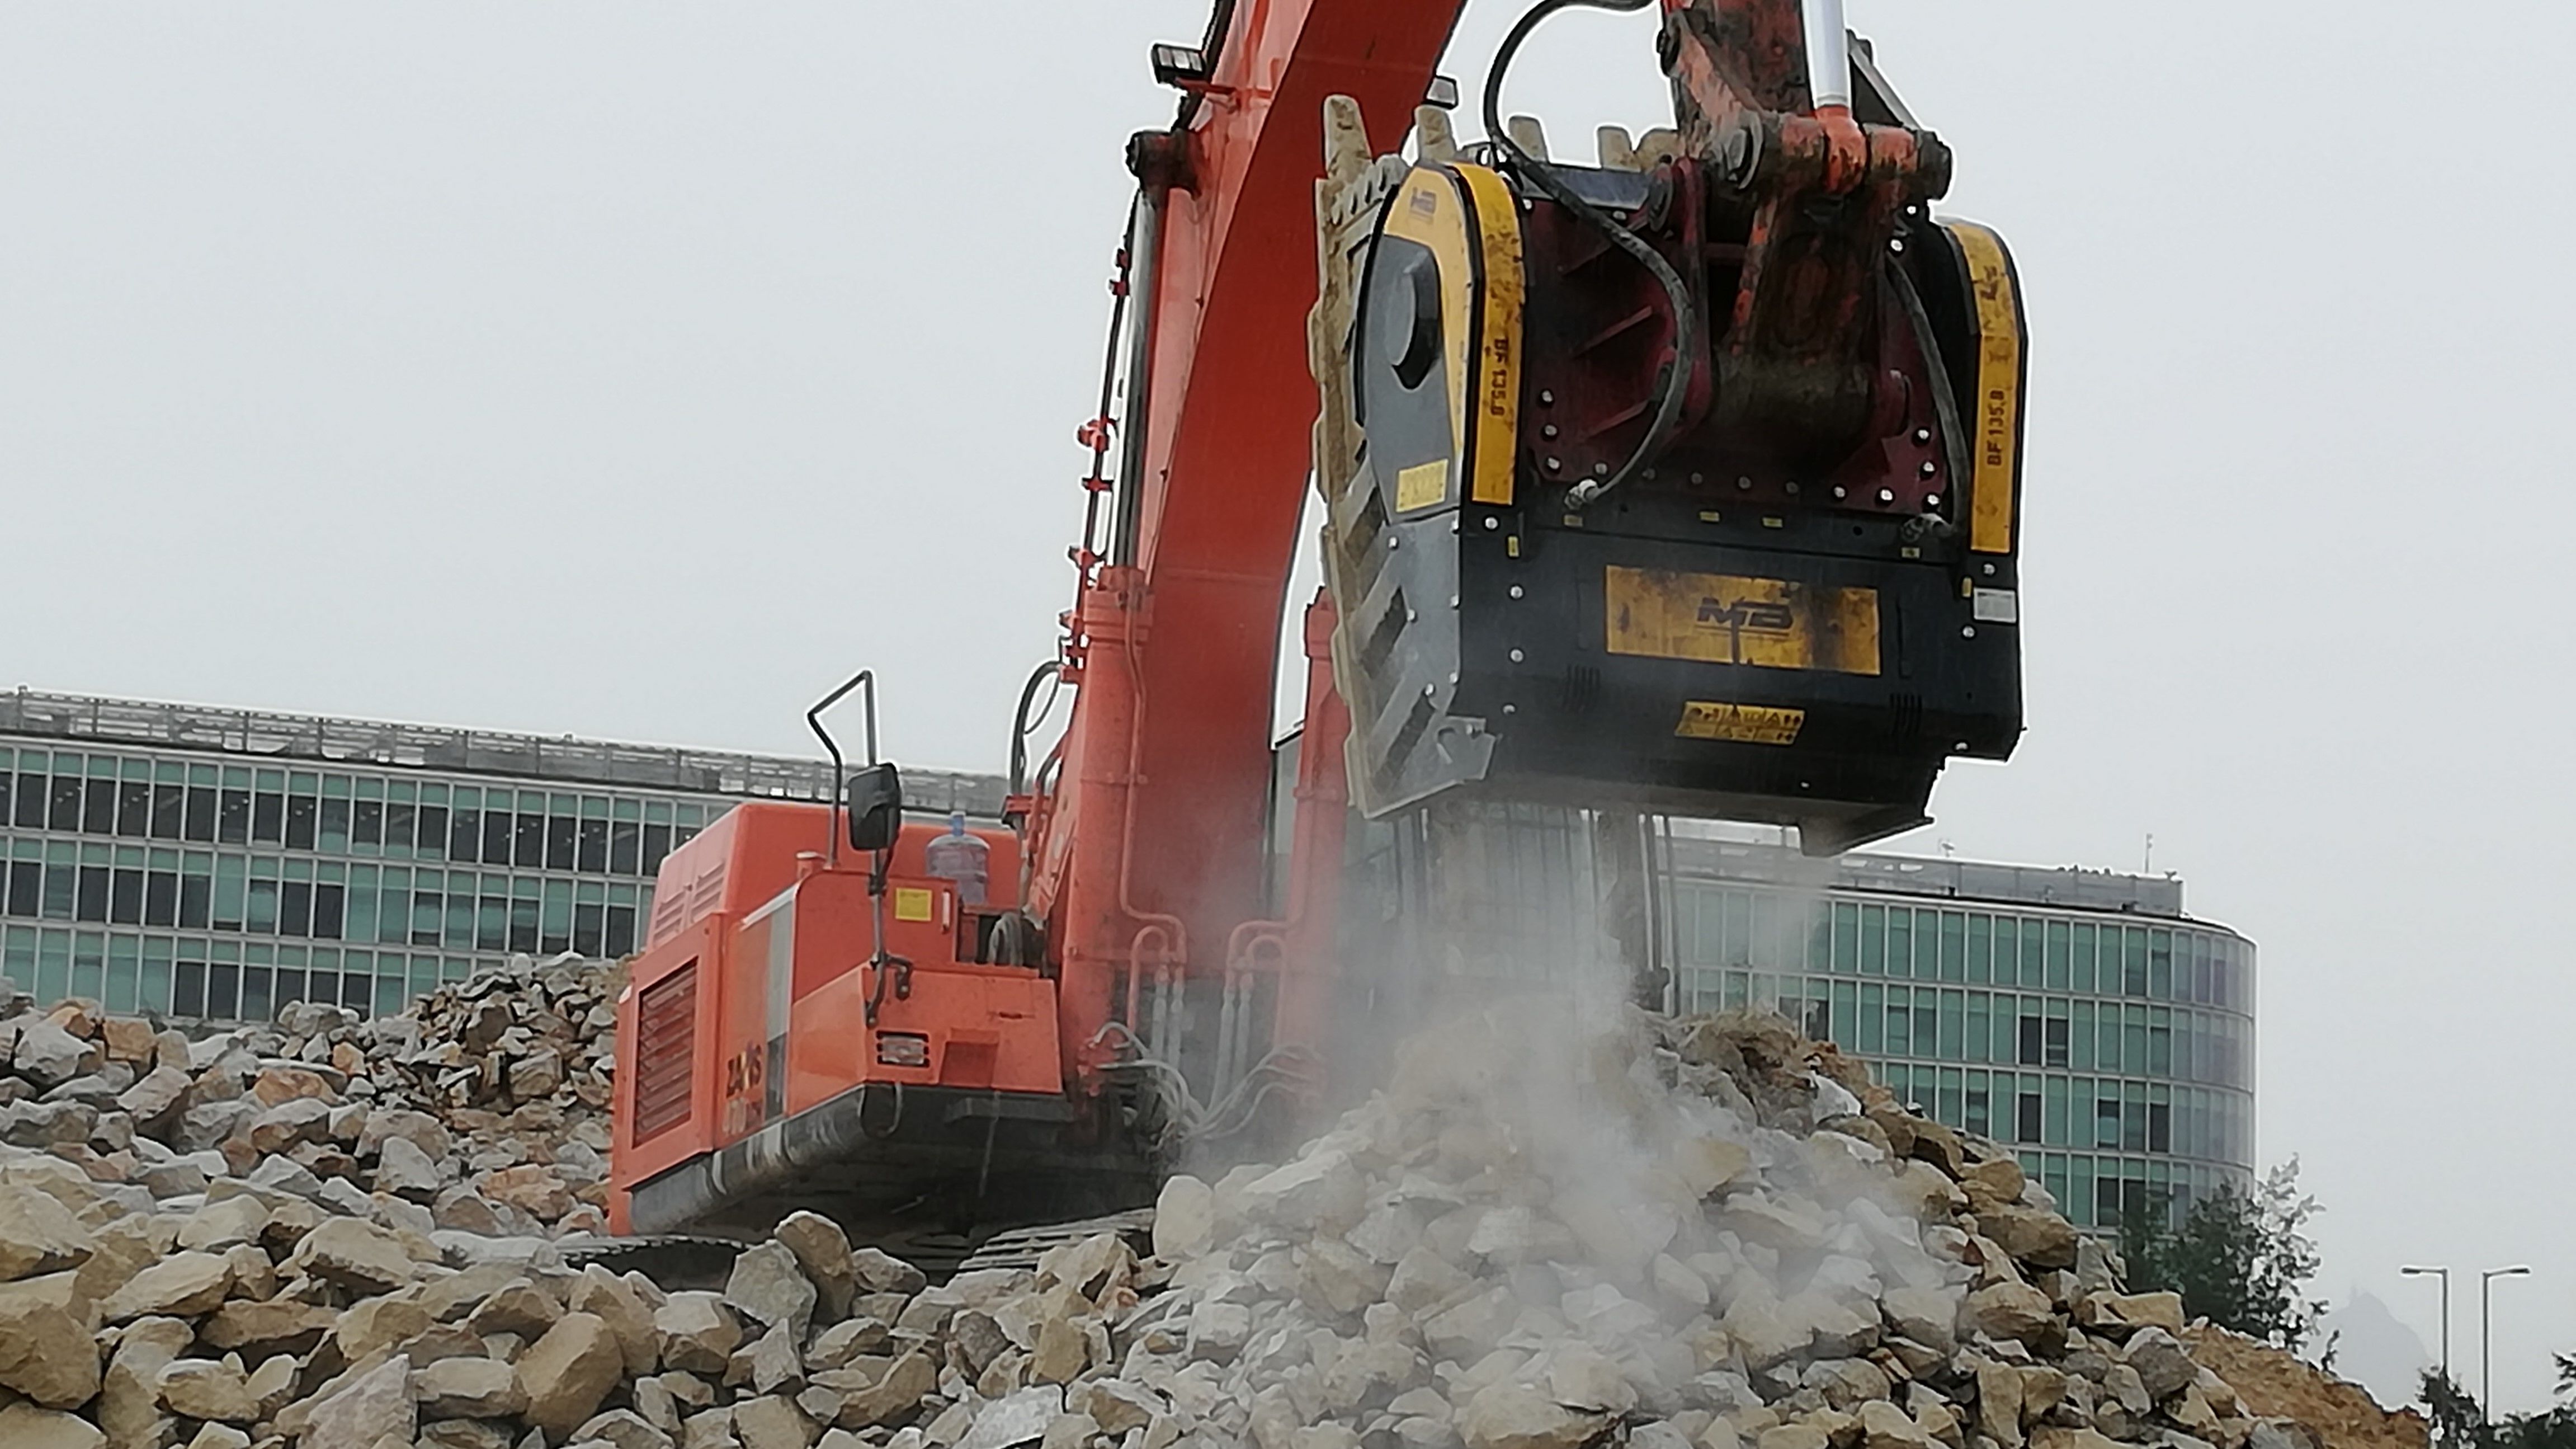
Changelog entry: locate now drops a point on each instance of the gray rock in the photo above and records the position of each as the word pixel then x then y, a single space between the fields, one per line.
pixel 468 1388
pixel 374 1406
pixel 46 1054
pixel 2164 1366
pixel 1020 1418
pixel 767 1285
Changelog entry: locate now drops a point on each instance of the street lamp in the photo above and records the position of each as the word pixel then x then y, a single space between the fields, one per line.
pixel 2486 1337
pixel 2445 1275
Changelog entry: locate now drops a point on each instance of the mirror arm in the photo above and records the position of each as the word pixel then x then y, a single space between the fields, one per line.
pixel 840 781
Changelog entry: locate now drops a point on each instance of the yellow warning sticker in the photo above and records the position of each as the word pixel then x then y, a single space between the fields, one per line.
pixel 911 903
pixel 1726 619
pixel 1422 485
pixel 1743 724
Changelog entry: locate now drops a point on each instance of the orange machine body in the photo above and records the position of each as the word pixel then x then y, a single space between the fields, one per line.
pixel 749 1004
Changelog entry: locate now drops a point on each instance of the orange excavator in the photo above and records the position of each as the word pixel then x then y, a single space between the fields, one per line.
pixel 1686 482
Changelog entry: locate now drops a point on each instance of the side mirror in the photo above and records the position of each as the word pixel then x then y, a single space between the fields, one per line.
pixel 876 808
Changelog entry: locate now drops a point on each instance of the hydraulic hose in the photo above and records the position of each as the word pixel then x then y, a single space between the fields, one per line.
pixel 1672 381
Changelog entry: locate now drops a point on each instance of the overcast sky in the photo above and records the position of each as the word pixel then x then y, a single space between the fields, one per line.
pixel 638 370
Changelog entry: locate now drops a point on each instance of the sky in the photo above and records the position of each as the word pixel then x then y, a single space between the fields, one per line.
pixel 639 370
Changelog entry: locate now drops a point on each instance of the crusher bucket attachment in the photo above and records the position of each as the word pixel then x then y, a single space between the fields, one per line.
pixel 1794 602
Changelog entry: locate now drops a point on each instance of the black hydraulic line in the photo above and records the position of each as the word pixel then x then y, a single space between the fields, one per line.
pixel 1022 725
pixel 1097 483
pixel 1144 269
pixel 1672 382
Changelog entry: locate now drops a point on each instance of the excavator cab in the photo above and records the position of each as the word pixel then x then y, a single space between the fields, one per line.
pixel 1688 480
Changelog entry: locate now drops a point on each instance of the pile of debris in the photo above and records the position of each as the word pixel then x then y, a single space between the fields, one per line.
pixel 484 1109
pixel 1546 1234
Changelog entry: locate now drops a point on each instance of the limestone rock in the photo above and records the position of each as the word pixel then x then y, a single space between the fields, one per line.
pixel 1184 1219
pixel 2007 1310
pixel 204 1388
pixel 38 1234
pixel 822 1253
pixel 468 1388
pixel 2164 1366
pixel 1518 1416
pixel 364 1412
pixel 26 1426
pixel 45 1353
pixel 357 1255
pixel 698 1332
pixel 567 1372
pixel 180 1286
pixel 767 1285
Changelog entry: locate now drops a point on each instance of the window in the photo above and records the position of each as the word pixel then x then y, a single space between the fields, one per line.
pixel 531 839
pixel 65 809
pixel 465 835
pixel 196 890
pixel 260 914
pixel 496 833
pixel 561 849
pixel 523 915
pixel 26 889
pixel 232 817
pixel 335 824
pixel 367 827
pixel 268 817
pixel 492 916
pixel 295 908
pixel 428 915
pixel 1975 1119
pixel 188 981
pixel 657 844
pixel 329 903
pixel 223 981
pixel 92 901
pixel 161 896
pixel 625 846
pixel 557 918
pixel 2032 1038
pixel 134 808
pixel 2106 1119
pixel 593 847
pixel 433 831
pixel 402 828
pixel 2159 1127
pixel 201 814
pixel 125 897
pixel 169 810
pixel 620 935
pixel 2026 1118
pixel 2055 1047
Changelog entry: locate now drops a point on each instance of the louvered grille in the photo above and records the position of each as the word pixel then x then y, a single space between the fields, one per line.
pixel 666 1030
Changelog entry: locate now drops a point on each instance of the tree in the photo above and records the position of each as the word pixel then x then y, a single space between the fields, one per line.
pixel 2241 1258
pixel 2459 1423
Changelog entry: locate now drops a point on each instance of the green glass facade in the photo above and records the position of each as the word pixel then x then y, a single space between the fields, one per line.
pixel 193 863
pixel 2088 1023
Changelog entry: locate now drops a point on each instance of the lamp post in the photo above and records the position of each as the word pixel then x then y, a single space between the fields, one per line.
pixel 2445 1275
pixel 2486 1337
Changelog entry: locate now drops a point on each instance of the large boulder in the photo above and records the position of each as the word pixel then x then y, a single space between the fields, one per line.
pixel 569 1371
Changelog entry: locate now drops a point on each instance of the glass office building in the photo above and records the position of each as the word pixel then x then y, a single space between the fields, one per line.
pixel 194 862
pixel 2080 1016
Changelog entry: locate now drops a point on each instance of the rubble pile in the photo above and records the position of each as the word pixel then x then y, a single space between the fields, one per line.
pixel 484 1107
pixel 1704 1234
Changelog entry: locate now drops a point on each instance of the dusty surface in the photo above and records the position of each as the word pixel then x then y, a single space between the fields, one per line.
pixel 2343 1415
